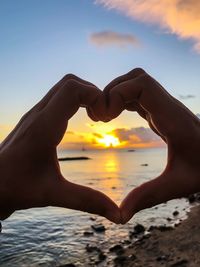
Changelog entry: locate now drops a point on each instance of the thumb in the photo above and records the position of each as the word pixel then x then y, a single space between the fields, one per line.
pixel 73 196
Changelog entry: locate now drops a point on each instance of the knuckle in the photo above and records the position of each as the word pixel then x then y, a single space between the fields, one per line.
pixel 70 76
pixel 136 72
pixel 71 83
pixel 70 87
pixel 145 80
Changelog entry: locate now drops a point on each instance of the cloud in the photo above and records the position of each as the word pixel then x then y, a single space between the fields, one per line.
pixel 97 135
pixel 138 136
pixel 180 17
pixel 111 38
pixel 128 137
pixel 70 132
pixel 186 96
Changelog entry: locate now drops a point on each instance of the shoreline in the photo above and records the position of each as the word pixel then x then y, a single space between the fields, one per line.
pixel 156 246
pixel 170 247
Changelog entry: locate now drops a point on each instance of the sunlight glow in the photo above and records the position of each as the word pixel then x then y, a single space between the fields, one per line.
pixel 109 140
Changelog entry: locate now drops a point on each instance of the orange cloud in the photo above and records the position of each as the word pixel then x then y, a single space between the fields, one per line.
pixel 108 38
pixel 180 17
pixel 119 138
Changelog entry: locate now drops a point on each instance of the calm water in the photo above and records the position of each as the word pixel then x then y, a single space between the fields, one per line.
pixel 54 236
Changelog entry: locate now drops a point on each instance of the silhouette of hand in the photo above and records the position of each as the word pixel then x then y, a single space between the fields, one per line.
pixel 174 123
pixel 34 178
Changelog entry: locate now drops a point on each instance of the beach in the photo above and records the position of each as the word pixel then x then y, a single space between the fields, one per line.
pixel 156 246
pixel 170 247
pixel 176 247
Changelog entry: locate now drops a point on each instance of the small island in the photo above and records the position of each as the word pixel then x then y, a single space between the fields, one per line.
pixel 73 158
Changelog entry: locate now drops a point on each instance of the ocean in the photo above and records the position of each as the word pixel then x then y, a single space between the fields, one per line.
pixel 55 236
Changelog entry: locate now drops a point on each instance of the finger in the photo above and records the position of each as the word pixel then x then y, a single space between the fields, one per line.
pixel 78 197
pixel 135 106
pixel 91 114
pixel 114 103
pixel 98 110
pixel 130 75
pixel 166 112
pixel 64 105
pixel 44 101
pixel 164 188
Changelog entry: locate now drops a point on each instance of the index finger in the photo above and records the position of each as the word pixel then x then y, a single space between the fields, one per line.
pixel 167 113
pixel 130 75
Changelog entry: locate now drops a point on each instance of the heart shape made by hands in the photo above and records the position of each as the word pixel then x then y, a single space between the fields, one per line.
pixel 35 179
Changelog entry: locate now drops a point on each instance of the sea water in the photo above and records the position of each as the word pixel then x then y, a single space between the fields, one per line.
pixel 54 236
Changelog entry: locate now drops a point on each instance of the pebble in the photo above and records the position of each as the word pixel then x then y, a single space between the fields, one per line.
pixel 179 263
pixel 102 256
pixel 99 228
pixel 138 229
pixel 92 218
pixel 116 248
pixel 175 213
pixel 120 259
pixel 132 257
pixel 161 228
pixel 126 242
pixel 162 258
pixel 192 198
pixel 90 248
pixel 88 233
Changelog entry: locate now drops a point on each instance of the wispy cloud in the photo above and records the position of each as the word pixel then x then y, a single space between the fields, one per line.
pixel 180 17
pixel 111 38
pixel 183 97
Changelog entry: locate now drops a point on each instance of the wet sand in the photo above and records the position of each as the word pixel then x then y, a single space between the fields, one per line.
pixel 158 246
pixel 179 246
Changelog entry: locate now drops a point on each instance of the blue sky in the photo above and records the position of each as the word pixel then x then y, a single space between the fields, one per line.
pixel 40 41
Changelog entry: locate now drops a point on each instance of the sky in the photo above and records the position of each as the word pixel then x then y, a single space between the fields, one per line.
pixel 41 41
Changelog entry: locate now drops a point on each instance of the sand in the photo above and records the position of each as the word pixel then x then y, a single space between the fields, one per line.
pixel 179 246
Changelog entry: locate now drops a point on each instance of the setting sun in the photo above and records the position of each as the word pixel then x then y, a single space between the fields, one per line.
pixel 109 140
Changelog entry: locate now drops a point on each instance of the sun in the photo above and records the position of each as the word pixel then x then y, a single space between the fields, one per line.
pixel 109 140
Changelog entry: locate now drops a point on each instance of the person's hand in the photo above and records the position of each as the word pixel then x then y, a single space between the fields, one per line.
pixel 29 171
pixel 174 123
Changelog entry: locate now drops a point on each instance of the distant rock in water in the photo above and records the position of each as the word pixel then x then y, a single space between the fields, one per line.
pixel 145 164
pixel 131 150
pixel 73 158
pixel 99 228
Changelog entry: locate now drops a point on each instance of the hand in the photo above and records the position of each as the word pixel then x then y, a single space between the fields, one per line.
pixel 174 123
pixel 29 169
